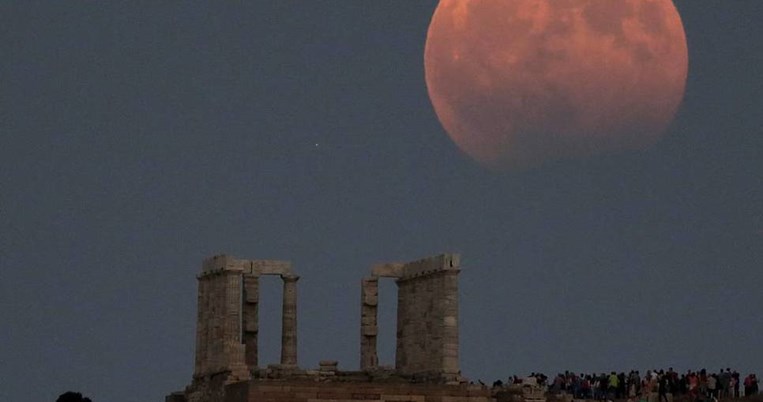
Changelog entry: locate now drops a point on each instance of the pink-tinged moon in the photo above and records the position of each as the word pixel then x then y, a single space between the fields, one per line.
pixel 518 83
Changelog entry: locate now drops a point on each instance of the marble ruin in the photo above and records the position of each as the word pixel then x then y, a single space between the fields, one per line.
pixel 227 323
pixel 427 318
pixel 227 366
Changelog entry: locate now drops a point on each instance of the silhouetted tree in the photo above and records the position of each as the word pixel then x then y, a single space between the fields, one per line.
pixel 72 397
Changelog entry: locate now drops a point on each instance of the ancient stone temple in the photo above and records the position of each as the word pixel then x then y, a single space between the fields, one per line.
pixel 227 368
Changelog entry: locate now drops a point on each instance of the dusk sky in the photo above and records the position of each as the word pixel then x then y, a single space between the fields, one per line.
pixel 137 138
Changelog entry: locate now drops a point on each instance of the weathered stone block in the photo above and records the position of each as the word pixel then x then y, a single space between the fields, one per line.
pixel 390 270
pixel 271 267
pixel 370 299
pixel 370 330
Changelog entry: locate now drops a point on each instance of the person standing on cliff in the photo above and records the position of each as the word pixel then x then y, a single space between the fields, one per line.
pixel 693 381
pixel 613 385
pixel 750 385
pixel 662 388
pixel 724 379
pixel 634 381
pixel 712 386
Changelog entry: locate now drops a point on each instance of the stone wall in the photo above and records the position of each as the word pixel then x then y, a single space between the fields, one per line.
pixel 338 391
pixel 292 391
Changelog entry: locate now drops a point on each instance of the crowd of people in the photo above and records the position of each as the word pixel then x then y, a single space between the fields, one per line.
pixel 635 386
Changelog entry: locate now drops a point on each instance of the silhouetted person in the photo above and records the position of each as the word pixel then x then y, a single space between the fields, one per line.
pixel 72 397
pixel 663 387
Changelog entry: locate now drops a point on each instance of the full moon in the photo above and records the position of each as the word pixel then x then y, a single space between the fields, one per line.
pixel 519 83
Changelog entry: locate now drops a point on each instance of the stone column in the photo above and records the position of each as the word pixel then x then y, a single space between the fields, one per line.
pixel 232 308
pixel 202 328
pixel 450 324
pixel 289 325
pixel 401 339
pixel 369 301
pixel 250 318
pixel 234 351
pixel 215 359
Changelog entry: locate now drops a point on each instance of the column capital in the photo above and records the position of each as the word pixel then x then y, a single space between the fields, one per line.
pixel 290 278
